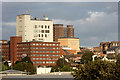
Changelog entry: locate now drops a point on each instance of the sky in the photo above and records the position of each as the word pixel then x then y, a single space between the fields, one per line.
pixel 93 22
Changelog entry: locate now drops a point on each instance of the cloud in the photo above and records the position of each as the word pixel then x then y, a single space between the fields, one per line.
pixel 95 28
pixel 9 24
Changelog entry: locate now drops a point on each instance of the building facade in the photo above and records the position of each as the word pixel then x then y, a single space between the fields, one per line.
pixel 69 43
pixel 5 50
pixel 104 46
pixel 34 29
pixel 60 31
pixel 41 53
pixel 13 48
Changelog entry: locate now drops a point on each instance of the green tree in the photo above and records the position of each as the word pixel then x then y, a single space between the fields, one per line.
pixel 26 59
pixel 23 66
pixel 4 67
pixel 20 66
pixel 6 64
pixel 3 59
pixel 17 62
pixel 87 57
pixel 97 70
pixel 61 65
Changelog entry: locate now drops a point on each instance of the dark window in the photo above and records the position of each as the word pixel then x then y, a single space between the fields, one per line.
pixel 45 26
pixel 42 31
pixel 45 35
pixel 42 35
pixel 42 26
pixel 39 35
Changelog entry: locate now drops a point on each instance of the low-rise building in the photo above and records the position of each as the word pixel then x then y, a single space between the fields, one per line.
pixel 69 43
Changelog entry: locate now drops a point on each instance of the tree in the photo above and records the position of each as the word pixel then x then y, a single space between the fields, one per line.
pixel 20 66
pixel 17 62
pixel 23 66
pixel 97 70
pixel 3 59
pixel 26 59
pixel 4 67
pixel 6 64
pixel 87 57
pixel 61 65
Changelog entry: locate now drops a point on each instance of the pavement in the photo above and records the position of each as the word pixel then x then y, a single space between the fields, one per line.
pixel 48 76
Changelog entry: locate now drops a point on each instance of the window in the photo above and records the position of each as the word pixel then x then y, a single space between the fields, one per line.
pixel 43 58
pixel 40 58
pixel 42 35
pixel 40 61
pixel 40 54
pixel 33 43
pixel 36 51
pixel 37 58
pixel 43 61
pixel 43 44
pixel 45 35
pixel 45 26
pixel 43 47
pixel 42 26
pixel 43 51
pixel 47 31
pixel 33 58
pixel 33 54
pixel 39 35
pixel 43 54
pixel 42 31
pixel 37 62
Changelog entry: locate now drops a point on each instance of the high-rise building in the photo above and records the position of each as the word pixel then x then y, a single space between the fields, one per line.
pixel 60 31
pixel 34 29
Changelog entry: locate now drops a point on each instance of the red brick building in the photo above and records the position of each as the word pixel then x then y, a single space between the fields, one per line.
pixel 60 31
pixel 40 53
pixel 5 49
pixel 13 48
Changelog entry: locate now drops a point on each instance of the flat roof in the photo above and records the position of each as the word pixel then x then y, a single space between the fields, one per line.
pixel 68 37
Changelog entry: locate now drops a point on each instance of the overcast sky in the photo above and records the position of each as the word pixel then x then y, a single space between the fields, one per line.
pixel 93 22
